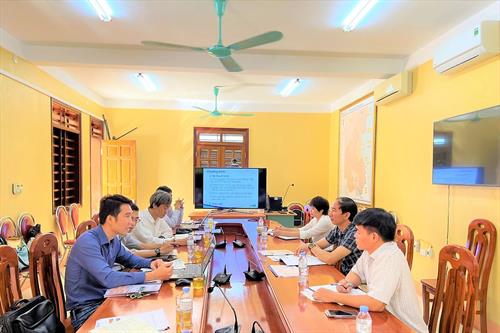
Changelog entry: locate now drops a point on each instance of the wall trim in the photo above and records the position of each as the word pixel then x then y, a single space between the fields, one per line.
pixel 46 92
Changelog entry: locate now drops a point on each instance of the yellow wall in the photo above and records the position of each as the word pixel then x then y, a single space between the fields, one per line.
pixel 403 171
pixel 25 140
pixel 293 147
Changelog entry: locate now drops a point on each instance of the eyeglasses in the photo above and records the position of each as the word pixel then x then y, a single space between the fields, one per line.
pixel 138 295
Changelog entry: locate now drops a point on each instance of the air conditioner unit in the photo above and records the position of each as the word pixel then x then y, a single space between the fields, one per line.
pixel 468 47
pixel 398 86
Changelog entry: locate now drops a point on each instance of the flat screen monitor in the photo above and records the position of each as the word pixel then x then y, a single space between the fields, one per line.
pixel 230 188
pixel 466 149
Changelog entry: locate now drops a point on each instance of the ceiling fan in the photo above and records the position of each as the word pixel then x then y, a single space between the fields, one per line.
pixel 216 113
pixel 221 52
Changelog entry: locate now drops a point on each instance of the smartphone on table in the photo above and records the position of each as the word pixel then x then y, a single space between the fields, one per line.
pixel 341 313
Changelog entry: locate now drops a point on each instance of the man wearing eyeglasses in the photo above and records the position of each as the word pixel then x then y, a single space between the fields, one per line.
pixel 145 250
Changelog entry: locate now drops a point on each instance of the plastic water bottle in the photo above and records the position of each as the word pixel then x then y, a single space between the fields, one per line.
pixel 260 224
pixel 303 269
pixel 186 309
pixel 190 246
pixel 363 320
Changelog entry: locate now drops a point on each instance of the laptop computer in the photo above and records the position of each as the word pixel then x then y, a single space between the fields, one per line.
pixel 193 270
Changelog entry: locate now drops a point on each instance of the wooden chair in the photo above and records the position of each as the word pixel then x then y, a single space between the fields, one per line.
pixel 74 216
pixel 10 289
pixel 45 274
pixel 62 223
pixel 405 239
pixel 8 229
pixel 481 241
pixel 84 226
pixel 453 308
pixel 95 217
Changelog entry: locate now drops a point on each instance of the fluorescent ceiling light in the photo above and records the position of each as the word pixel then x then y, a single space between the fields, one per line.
pixel 102 9
pixel 290 87
pixel 357 14
pixel 146 82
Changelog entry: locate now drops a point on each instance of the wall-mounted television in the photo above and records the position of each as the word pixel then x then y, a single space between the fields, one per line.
pixel 230 188
pixel 467 149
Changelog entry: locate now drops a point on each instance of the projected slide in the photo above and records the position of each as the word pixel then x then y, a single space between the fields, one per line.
pixel 230 188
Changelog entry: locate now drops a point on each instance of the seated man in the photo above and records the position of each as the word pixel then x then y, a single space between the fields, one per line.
pixel 342 212
pixel 88 270
pixel 152 227
pixel 145 250
pixel 174 216
pixel 319 226
pixel 385 270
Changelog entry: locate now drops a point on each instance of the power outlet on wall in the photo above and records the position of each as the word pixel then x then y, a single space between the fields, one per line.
pixel 17 188
pixel 416 246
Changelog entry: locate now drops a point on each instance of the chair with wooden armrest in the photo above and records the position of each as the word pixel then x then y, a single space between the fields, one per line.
pixel 10 288
pixel 84 226
pixel 405 239
pixel 45 275
pixel 481 241
pixel 453 308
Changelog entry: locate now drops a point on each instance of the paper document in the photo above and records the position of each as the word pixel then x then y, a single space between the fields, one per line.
pixel 294 261
pixel 152 321
pixel 284 271
pixel 178 264
pixel 333 287
pixel 287 237
pixel 181 237
pixel 146 288
pixel 275 252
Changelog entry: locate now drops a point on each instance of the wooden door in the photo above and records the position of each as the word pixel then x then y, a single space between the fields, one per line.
pixel 119 168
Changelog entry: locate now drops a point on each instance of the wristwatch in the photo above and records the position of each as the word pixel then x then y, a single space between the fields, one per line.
pixel 157 251
pixel 311 245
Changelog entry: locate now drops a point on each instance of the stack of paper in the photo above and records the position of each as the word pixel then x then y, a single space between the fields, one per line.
pixel 287 237
pixel 284 271
pixel 146 322
pixel 146 288
pixel 294 261
pixel 275 252
pixel 333 287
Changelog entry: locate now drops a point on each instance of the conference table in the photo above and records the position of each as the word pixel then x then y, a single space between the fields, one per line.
pixel 275 303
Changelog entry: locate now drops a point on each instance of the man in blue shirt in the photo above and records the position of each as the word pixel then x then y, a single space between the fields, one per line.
pixel 89 270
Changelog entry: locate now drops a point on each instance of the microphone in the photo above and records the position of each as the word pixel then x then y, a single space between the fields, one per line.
pixel 222 245
pixel 252 274
pixel 286 192
pixel 228 329
pixel 222 278
pixel 237 243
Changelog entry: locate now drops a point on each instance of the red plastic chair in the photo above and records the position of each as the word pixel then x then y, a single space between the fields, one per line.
pixel 62 221
pixel 8 228
pixel 74 216
pixel 24 223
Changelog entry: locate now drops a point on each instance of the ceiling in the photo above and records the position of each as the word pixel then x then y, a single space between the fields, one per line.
pixel 99 59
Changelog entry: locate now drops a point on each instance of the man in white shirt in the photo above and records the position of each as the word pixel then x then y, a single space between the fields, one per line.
pixel 385 270
pixel 174 216
pixel 152 227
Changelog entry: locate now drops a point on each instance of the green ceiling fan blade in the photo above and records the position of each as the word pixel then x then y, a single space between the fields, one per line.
pixel 237 114
pixel 173 46
pixel 265 38
pixel 230 64
pixel 202 109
